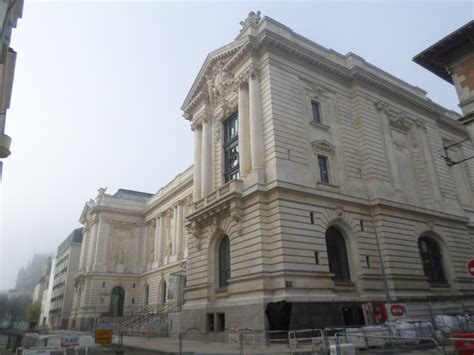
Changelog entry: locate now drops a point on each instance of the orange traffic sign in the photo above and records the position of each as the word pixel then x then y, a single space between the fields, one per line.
pixel 103 336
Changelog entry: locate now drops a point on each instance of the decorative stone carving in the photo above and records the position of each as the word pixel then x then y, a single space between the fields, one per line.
pixel 101 191
pixel 119 256
pixel 219 83
pixel 312 87
pixel 400 121
pixel 399 141
pixel 195 125
pixel 430 225
pixel 194 230
pixel 339 211
pixel 323 146
pixel 252 19
pixel 382 107
pixel 167 232
pixel 236 215
pixel 254 72
pixel 217 131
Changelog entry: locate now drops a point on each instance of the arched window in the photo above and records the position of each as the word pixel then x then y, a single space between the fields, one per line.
pixel 224 262
pixel 147 293
pixel 163 292
pixel 117 301
pixel 432 260
pixel 337 255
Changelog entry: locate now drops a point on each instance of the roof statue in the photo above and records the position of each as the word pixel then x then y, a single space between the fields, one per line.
pixel 252 19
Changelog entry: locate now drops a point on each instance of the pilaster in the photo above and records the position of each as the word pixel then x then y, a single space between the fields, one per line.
pixel 255 119
pixel 197 128
pixel 244 127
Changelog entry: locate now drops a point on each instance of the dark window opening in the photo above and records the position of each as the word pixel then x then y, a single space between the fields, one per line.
pixel 337 254
pixel 220 322
pixel 311 217
pixel 224 262
pixel 231 148
pixel 316 110
pixel 353 315
pixel 323 169
pixel 147 293
pixel 163 292
pixel 133 285
pixel 133 300
pixel 362 225
pixel 316 258
pixel 367 261
pixel 432 260
pixel 103 284
pixel 210 322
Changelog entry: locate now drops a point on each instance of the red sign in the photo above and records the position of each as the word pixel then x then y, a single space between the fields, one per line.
pixel 470 267
pixel 397 310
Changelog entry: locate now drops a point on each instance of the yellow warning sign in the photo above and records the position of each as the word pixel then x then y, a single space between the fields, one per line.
pixel 103 336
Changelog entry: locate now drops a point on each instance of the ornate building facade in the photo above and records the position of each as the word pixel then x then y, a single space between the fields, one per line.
pixel 317 188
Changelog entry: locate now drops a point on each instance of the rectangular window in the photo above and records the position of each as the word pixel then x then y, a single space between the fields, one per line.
pixel 210 322
pixel 323 169
pixel 311 217
pixel 220 322
pixel 316 110
pixel 316 258
pixel 231 148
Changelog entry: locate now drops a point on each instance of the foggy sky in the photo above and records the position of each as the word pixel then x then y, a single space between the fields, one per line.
pixel 98 86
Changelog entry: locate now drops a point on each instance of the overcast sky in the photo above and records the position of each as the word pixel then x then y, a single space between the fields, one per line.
pixel 98 86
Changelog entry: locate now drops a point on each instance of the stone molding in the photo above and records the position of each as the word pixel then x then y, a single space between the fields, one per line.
pixel 323 146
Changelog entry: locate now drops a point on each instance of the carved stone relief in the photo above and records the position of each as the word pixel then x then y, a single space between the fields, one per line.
pixel 220 83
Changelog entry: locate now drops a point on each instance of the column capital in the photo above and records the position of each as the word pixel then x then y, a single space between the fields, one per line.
pixel 243 80
pixel 382 107
pixel 195 126
pixel 254 72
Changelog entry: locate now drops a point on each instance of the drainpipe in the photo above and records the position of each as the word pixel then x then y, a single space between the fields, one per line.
pixel 382 267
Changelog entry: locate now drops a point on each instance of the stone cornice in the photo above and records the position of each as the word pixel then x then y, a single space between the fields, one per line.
pixel 169 194
pixel 353 75
pixel 121 211
pixel 350 68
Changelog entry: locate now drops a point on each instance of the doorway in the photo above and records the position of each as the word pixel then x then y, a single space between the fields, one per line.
pixel 117 301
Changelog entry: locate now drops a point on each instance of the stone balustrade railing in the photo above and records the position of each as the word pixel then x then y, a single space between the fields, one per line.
pixel 232 187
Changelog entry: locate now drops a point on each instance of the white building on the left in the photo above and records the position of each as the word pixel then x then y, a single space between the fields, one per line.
pixel 66 266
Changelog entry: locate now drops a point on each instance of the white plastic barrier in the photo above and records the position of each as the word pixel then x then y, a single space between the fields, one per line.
pixel 344 349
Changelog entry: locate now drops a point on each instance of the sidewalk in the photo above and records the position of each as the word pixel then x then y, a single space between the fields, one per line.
pixel 171 346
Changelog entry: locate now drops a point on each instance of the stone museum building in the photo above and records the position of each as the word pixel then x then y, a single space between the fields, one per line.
pixel 318 193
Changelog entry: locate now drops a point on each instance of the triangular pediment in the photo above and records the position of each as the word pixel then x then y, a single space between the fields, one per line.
pixel 223 58
pixel 88 206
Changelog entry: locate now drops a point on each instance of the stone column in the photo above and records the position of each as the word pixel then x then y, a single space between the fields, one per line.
pixel 92 244
pixel 255 118
pixel 175 230
pixel 100 246
pixel 206 157
pixel 84 248
pixel 197 128
pixel 158 233
pixel 160 239
pixel 244 130
pixel 179 230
